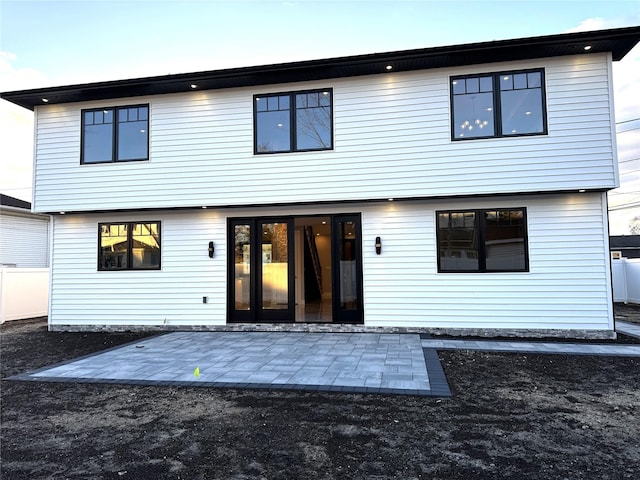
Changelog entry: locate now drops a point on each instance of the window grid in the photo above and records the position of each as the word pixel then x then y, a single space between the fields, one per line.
pixel 482 241
pixel 125 116
pixel 129 246
pixel 308 123
pixel 489 110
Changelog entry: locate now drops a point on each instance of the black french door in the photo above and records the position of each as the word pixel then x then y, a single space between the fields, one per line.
pixel 347 269
pixel 261 273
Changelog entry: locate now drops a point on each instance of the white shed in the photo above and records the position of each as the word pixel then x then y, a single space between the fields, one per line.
pixel 24 260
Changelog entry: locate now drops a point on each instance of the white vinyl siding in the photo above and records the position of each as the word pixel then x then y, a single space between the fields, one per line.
pixel 567 287
pixel 24 240
pixel 392 138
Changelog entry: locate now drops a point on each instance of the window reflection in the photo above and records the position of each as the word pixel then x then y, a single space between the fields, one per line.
pixel 129 246
pixel 115 134
pixel 499 104
pixel 242 254
pixel 482 241
pixel 275 266
pixel 293 122
pixel 132 133
pixel 98 136
pixel 520 99
pixel 113 246
pixel 457 241
pixel 313 121
pixel 145 248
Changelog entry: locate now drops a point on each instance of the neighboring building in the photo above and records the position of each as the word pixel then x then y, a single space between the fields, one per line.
pixel 455 189
pixel 624 246
pixel 24 236
pixel 24 260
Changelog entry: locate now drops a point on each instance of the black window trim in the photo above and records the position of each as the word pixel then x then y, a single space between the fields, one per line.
pixel 292 120
pixel 129 246
pixel 497 110
pixel 482 240
pixel 114 133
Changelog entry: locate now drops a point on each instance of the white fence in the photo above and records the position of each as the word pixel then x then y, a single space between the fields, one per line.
pixel 626 280
pixel 24 293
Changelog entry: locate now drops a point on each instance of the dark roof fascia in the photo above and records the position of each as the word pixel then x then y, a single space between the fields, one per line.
pixel 624 242
pixel 8 201
pixel 617 41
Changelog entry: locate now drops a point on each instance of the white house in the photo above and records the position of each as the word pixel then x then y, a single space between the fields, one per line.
pixel 24 260
pixel 456 189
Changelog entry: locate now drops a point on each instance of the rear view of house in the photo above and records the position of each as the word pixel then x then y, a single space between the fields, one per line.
pixel 456 189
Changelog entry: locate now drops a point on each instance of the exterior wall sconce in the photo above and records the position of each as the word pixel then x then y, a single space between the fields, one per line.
pixel 378 246
pixel 211 249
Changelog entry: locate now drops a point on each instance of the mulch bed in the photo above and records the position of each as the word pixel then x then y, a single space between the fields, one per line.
pixel 511 416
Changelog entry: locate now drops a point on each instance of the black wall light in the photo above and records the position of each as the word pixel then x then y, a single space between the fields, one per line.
pixel 378 246
pixel 211 249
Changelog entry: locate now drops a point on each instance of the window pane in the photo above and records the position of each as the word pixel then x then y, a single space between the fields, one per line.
pixel 473 115
pixel 273 131
pixel 522 111
pixel 473 85
pixel 313 128
pixel 486 84
pixel 242 279
pixel 506 82
pixel 272 103
pixel 457 86
pixel 457 241
pixel 505 232
pixel 275 266
pixel 301 101
pixel 534 79
pixel 145 246
pixel 113 247
pixel 325 99
pixel 261 104
pixel 97 143
pixel 520 80
pixel 132 140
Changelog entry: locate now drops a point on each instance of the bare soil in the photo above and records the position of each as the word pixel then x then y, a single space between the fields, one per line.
pixel 511 416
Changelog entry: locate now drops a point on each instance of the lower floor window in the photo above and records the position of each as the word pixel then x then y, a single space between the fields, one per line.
pixel 129 246
pixel 482 240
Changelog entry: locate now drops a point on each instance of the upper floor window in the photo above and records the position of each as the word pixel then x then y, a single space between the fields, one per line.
pixel 293 122
pixel 129 246
pixel 482 240
pixel 115 134
pixel 498 105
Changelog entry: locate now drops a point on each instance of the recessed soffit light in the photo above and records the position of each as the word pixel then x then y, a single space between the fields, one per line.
pixel 587 47
pixel 389 67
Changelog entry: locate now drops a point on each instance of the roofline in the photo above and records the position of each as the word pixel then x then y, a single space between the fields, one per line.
pixel 618 41
pixel 21 212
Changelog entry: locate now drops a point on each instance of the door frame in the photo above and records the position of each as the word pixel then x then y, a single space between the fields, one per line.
pixel 257 314
pixel 339 314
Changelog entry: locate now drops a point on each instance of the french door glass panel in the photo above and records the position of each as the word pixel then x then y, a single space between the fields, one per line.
pixel 242 279
pixel 275 266
pixel 347 264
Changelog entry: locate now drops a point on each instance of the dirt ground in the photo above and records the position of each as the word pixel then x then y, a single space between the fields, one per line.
pixel 511 416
